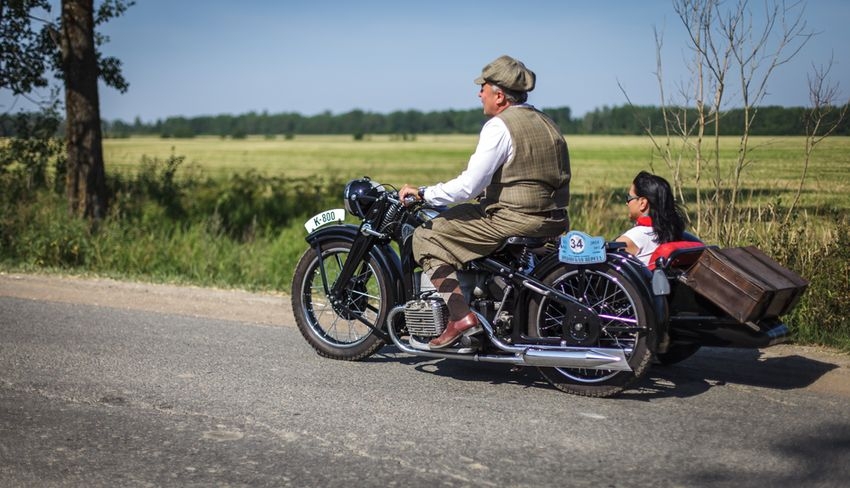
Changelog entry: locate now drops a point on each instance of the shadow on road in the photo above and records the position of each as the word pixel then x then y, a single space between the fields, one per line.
pixel 708 368
pixel 821 456
pixel 712 367
pixel 492 373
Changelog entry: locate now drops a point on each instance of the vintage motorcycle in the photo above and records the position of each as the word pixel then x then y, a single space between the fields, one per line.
pixel 587 314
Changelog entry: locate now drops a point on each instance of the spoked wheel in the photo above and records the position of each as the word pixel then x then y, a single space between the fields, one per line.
pixel 623 321
pixel 338 331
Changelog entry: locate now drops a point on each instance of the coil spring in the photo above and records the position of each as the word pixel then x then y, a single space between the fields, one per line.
pixel 526 259
pixel 390 216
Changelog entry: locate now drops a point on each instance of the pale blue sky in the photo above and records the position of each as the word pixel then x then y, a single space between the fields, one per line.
pixel 212 57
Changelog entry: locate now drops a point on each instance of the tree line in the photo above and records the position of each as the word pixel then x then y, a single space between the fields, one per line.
pixel 620 120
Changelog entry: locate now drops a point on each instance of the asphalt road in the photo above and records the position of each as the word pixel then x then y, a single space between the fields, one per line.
pixel 111 384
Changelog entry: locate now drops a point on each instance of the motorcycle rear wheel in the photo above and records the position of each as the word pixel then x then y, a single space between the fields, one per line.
pixel 337 332
pixel 619 305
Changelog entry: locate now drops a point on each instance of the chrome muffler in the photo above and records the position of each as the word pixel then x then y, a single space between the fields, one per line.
pixel 575 357
pixel 522 354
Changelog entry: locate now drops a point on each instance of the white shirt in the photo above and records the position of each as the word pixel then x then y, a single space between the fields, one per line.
pixel 644 238
pixel 495 148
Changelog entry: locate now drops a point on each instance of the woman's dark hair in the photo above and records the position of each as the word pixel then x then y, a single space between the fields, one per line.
pixel 667 217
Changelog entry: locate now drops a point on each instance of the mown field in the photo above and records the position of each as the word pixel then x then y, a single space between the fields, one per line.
pixel 598 162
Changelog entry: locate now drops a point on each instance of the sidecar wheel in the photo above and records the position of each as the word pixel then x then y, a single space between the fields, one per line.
pixel 337 332
pixel 624 322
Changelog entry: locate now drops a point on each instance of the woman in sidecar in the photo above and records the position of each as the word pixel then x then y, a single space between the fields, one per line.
pixel 658 219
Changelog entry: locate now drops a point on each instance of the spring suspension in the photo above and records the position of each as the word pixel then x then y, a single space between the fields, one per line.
pixel 390 216
pixel 526 259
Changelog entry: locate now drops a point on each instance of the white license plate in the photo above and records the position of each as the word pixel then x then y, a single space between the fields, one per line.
pixel 335 215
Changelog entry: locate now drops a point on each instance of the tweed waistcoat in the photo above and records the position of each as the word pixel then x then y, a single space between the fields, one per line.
pixel 537 178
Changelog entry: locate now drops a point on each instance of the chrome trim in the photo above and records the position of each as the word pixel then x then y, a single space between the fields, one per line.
pixel 523 354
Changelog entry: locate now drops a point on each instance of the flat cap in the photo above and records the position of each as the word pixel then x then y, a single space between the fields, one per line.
pixel 506 72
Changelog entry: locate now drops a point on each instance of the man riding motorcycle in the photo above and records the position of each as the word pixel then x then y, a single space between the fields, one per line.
pixel 521 164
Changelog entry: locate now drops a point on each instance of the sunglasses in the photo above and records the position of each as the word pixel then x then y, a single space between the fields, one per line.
pixel 629 198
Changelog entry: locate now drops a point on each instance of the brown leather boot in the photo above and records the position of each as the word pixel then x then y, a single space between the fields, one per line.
pixel 454 329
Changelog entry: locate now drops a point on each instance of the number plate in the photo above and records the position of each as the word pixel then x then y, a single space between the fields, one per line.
pixel 327 217
pixel 580 248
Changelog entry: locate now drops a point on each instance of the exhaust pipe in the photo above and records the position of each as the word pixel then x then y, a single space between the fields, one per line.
pixel 524 354
pixel 613 359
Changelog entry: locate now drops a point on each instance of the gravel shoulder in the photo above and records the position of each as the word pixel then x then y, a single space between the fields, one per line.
pixel 831 377
pixel 237 305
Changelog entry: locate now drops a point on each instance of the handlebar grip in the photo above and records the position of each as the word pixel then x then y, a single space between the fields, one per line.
pixel 409 199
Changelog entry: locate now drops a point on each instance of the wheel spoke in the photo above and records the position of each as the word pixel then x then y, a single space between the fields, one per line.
pixel 620 325
pixel 342 328
pixel 358 301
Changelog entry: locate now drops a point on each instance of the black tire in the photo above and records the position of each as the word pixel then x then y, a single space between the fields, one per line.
pixel 677 353
pixel 619 304
pixel 332 334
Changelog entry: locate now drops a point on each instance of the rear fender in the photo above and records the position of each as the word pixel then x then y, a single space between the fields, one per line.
pixel 659 311
pixel 631 268
pixel 383 253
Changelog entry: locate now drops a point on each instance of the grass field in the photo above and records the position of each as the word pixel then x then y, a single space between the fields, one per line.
pixel 599 163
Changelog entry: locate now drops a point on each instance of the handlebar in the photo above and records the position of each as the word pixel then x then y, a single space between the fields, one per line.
pixel 409 200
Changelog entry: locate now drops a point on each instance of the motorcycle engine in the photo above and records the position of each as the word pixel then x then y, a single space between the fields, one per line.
pixel 426 318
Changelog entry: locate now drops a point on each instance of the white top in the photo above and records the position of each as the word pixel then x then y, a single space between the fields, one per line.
pixel 644 238
pixel 495 148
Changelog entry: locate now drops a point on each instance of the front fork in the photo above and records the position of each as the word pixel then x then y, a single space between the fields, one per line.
pixel 358 256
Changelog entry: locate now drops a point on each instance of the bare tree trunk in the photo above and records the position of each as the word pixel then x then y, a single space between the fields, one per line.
pixel 86 180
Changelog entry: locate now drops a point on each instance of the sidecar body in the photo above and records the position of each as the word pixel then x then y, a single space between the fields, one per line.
pixel 731 297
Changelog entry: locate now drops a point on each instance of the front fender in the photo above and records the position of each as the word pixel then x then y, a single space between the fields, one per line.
pixel 383 253
pixel 345 232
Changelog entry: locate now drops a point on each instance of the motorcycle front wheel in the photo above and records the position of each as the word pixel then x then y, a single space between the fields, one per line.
pixel 623 325
pixel 338 331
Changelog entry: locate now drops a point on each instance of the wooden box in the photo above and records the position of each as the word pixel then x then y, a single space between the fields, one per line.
pixel 745 283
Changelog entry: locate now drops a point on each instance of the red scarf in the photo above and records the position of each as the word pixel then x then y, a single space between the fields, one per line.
pixel 644 220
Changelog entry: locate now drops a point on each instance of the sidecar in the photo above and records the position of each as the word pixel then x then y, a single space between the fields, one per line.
pixel 731 297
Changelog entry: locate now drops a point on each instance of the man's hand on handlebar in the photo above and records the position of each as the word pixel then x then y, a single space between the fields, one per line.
pixel 408 194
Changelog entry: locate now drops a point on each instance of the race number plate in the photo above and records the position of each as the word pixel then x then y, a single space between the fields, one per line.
pixel 327 217
pixel 580 248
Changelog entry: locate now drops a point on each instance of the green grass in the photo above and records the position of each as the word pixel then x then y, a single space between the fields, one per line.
pixel 602 167
pixel 598 162
pixel 380 157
